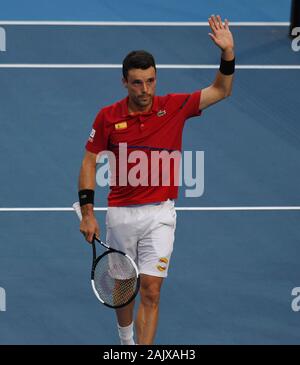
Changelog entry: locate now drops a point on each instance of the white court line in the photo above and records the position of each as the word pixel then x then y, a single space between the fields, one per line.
pixel 139 24
pixel 247 208
pixel 162 66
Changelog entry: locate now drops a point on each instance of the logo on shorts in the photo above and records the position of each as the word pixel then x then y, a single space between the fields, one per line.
pixel 163 263
pixel 122 125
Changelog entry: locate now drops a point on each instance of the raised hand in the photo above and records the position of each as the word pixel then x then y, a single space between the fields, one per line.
pixel 221 34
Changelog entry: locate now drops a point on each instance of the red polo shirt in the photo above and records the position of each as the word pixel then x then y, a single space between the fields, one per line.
pixel 139 180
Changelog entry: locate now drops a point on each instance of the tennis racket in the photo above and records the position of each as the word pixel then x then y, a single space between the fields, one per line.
pixel 114 276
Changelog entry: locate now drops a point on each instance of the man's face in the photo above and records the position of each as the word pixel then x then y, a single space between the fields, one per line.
pixel 141 87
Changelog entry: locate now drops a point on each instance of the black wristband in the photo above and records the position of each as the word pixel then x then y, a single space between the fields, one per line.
pixel 86 196
pixel 227 67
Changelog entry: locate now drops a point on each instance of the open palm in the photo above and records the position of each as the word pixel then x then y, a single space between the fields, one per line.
pixel 221 34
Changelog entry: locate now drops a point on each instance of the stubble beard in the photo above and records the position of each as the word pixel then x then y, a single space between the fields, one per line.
pixel 144 100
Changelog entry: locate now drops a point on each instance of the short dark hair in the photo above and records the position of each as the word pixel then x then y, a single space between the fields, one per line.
pixel 137 59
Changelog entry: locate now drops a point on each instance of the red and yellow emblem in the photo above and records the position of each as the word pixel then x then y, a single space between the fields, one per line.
pixel 163 263
pixel 121 125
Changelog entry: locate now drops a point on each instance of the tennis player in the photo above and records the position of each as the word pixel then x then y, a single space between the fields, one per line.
pixel 141 218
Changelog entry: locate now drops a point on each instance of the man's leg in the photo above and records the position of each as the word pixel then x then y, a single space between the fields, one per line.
pixel 147 316
pixel 125 314
pixel 122 235
pixel 125 323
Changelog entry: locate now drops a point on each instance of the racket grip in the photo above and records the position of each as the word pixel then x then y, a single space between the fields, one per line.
pixel 76 207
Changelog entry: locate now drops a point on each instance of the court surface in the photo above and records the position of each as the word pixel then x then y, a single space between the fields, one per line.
pixel 235 263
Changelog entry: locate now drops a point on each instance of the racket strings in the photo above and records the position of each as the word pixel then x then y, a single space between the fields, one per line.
pixel 115 279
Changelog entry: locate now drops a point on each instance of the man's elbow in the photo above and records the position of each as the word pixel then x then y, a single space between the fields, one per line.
pixel 223 93
pixel 227 93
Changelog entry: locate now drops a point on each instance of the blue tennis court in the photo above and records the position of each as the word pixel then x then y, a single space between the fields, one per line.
pixel 235 260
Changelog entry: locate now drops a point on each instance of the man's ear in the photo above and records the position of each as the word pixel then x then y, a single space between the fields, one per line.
pixel 125 83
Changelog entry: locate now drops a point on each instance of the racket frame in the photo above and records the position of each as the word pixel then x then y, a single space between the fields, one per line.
pixel 76 207
pixel 95 262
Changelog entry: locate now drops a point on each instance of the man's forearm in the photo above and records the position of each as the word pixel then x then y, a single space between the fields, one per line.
pixel 87 181
pixel 224 82
pixel 87 177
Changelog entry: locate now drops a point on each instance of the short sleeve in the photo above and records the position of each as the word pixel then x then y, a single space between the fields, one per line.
pixel 99 137
pixel 190 106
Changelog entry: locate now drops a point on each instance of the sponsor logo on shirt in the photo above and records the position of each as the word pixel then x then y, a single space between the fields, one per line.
pixel 161 113
pixel 122 125
pixel 92 135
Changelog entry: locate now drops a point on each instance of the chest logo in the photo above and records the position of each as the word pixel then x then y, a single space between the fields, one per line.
pixel 122 125
pixel 161 113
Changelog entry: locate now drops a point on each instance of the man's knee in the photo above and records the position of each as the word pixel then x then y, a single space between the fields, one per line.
pixel 150 290
pixel 150 295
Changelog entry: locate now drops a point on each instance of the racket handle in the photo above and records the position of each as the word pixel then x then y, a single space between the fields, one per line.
pixel 76 207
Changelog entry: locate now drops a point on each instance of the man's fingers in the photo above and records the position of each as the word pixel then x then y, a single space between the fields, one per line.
pixel 219 21
pixel 90 237
pixel 211 24
pixel 215 22
pixel 226 24
pixel 89 228
pixel 212 37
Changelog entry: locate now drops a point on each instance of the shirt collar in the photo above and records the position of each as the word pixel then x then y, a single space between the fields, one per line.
pixel 124 107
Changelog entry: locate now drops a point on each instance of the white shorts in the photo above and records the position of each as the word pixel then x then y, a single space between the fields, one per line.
pixel 145 233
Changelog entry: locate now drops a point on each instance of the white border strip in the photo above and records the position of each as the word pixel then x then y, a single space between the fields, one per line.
pixel 58 65
pixel 70 209
pixel 139 24
pixel 165 66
